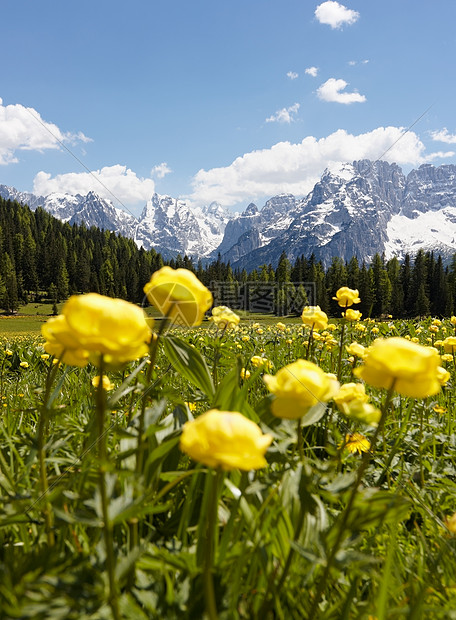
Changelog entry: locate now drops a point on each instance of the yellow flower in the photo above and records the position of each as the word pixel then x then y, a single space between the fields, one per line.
pixel 346 297
pixel 375 330
pixel 360 327
pixel 94 324
pixel 353 315
pixel 332 327
pixel 449 344
pixel 447 357
pixel 314 317
pixel 355 442
pixel 191 406
pixel 450 522
pixel 45 356
pixel 224 318
pixel 443 376
pixel 179 295
pixel 261 362
pixel 106 383
pixel 434 328
pixel 24 365
pixel 453 320
pixel 8 352
pixel 439 409
pixel 412 367
pixel 356 349
pixel 349 392
pixel 298 387
pixel 225 439
pixel 437 322
pixel 281 326
pixel 245 374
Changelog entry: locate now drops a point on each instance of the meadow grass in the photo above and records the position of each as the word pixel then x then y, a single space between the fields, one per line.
pixel 284 543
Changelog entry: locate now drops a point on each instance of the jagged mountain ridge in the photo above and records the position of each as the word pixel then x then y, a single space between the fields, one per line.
pixel 166 224
pixel 355 209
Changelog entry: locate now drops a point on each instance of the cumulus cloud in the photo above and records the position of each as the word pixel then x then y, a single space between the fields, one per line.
pixel 160 170
pixel 292 75
pixel 313 71
pixel 335 15
pixel 332 89
pixel 443 136
pixel 112 181
pixel 295 168
pixel 285 115
pixel 23 129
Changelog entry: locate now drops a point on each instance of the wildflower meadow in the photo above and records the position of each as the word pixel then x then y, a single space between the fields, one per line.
pixel 193 468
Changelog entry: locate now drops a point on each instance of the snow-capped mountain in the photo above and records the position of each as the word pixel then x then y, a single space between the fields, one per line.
pixel 170 226
pixel 166 224
pixel 355 210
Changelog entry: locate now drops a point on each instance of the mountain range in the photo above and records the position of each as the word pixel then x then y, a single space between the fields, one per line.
pixel 355 209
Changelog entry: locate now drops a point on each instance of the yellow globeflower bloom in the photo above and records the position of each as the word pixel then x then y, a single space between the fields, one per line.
pixel 224 318
pixel 443 376
pixel 105 382
pixel 453 320
pixel 112 327
pixel 347 297
pixel 314 317
pixel 179 295
pixel 24 364
pixel 356 349
pixel 225 439
pixel 261 362
pixel 349 392
pixel 62 342
pixel 449 344
pixel 353 315
pixel 280 326
pixel 245 374
pixel 299 386
pixel 412 367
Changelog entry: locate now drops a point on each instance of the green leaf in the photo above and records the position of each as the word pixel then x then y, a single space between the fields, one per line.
pixel 189 363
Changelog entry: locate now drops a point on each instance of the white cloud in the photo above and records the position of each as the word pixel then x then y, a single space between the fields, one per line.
pixel 295 168
pixel 313 71
pixel 335 15
pixel 285 115
pixel 352 63
pixel 443 136
pixel 160 171
pixel 331 91
pixel 23 129
pixel 120 180
pixel 292 75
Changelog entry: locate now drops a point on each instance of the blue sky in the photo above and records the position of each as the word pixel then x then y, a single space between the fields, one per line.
pixel 220 101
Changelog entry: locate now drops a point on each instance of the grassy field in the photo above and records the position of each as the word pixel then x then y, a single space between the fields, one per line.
pixel 103 514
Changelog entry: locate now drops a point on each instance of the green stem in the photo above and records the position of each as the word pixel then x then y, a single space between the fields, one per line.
pixel 211 541
pixel 309 344
pixel 107 525
pixel 344 517
pixel 42 428
pixel 339 360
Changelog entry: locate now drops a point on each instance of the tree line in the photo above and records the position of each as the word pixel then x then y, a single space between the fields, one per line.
pixel 44 259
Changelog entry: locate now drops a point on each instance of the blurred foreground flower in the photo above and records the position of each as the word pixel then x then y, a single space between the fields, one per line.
pixel 179 295
pixel 298 387
pixel 224 318
pixel 346 297
pixel 225 439
pixel 412 367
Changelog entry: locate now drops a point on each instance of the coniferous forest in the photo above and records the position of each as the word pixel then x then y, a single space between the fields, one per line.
pixel 42 258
